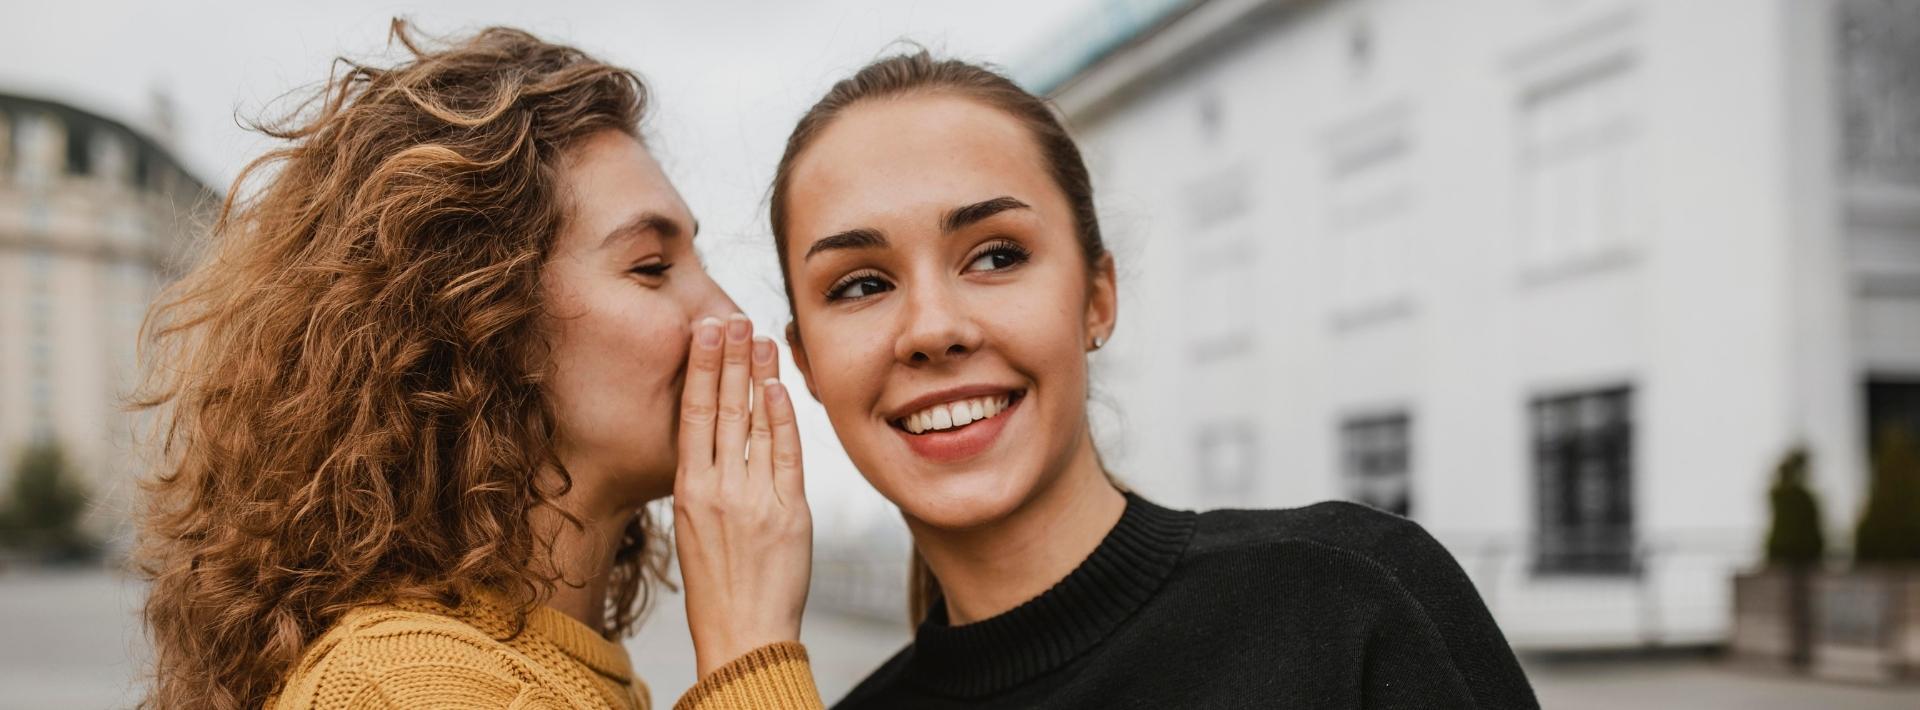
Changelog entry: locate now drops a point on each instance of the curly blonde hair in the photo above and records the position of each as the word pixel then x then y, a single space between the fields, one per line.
pixel 349 384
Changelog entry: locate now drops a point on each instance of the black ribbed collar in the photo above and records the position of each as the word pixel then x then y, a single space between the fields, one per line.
pixel 1048 631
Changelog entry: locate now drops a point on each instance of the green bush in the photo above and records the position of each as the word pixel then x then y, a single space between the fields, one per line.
pixel 42 515
pixel 1795 539
pixel 1889 531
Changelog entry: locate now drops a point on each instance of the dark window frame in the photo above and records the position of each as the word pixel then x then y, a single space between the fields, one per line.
pixel 1375 446
pixel 1583 470
pixel 80 137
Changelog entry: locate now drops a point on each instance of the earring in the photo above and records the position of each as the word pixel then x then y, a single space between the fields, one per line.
pixel 1098 341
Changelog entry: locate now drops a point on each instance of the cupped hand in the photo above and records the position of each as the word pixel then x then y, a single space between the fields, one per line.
pixel 741 524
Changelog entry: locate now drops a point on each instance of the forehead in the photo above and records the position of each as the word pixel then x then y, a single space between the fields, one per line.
pixel 609 177
pixel 903 159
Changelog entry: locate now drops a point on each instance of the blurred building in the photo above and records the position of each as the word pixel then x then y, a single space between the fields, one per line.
pixel 94 214
pixel 1559 279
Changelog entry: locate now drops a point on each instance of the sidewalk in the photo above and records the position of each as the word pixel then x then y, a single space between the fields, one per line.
pixel 72 640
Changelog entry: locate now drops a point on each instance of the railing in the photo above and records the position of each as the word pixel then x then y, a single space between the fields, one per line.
pixel 866 579
pixel 1676 591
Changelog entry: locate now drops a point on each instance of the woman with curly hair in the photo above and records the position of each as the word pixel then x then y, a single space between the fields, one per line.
pixel 417 394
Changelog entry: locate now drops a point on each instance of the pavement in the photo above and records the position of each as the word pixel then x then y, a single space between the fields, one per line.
pixel 71 639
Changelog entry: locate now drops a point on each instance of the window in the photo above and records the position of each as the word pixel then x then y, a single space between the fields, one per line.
pixel 1370 193
pixel 1880 91
pixel 8 143
pixel 1222 277
pixel 33 146
pixel 1583 476
pixel 1581 170
pixel 1227 460
pixel 79 148
pixel 1892 404
pixel 1378 457
pixel 143 166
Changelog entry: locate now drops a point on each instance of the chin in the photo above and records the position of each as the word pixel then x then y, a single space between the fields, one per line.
pixel 639 484
pixel 966 501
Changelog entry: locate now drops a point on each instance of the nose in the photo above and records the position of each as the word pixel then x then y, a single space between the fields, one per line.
pixel 938 327
pixel 705 298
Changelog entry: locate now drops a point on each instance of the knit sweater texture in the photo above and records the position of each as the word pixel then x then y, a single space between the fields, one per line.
pixel 424 655
pixel 1333 605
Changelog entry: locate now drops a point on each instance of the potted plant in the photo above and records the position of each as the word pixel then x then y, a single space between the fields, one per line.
pixel 40 520
pixel 1772 606
pixel 1869 617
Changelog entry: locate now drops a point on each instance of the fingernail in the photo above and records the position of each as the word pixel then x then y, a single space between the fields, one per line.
pixel 708 332
pixel 776 392
pixel 763 349
pixel 737 327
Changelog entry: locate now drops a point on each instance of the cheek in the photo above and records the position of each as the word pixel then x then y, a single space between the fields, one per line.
pixel 1036 324
pixel 848 372
pixel 621 362
pixel 656 348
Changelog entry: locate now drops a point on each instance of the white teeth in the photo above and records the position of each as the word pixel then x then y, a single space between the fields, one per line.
pixel 953 415
pixel 962 413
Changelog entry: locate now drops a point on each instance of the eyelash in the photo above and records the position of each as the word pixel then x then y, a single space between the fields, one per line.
pixel 1012 249
pixel 655 270
pixel 837 292
pixel 1017 254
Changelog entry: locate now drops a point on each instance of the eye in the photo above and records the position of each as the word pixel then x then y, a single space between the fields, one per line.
pixel 655 270
pixel 999 256
pixel 858 285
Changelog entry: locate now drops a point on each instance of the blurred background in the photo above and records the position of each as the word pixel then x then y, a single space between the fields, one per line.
pixel 1619 298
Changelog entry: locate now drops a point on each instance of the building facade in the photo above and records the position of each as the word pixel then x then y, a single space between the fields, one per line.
pixel 94 217
pixel 1561 280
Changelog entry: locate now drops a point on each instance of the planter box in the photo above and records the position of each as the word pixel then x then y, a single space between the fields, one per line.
pixel 1773 617
pixel 1868 625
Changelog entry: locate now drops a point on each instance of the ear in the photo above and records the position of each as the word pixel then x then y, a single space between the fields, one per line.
pixel 799 350
pixel 1103 302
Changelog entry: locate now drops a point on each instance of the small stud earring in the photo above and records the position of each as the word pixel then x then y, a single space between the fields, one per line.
pixel 1098 341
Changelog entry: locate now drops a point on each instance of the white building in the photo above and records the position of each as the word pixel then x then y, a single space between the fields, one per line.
pixel 1560 279
pixel 94 214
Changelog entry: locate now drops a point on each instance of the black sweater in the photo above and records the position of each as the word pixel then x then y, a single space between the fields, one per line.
pixel 1333 605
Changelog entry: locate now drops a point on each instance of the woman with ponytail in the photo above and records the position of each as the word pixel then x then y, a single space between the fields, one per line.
pixel 936 228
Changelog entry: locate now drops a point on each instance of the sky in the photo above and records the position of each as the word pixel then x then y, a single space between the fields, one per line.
pixel 729 78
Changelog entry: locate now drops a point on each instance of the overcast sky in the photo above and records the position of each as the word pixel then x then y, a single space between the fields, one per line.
pixel 729 78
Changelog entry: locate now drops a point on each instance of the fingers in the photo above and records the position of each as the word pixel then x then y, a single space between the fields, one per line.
pixel 788 481
pixel 730 426
pixel 760 435
pixel 699 402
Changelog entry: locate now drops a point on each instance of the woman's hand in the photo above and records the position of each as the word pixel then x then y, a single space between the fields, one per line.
pixel 740 518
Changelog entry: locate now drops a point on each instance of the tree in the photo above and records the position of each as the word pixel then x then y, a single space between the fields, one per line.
pixel 1796 538
pixel 43 511
pixel 1889 530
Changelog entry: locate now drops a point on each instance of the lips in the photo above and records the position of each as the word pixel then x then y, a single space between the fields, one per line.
pixel 957 424
pixel 946 416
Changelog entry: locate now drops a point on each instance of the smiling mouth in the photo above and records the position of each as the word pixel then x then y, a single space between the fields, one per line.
pixel 958 414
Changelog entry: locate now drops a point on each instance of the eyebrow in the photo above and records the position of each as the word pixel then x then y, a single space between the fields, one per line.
pixel 858 238
pixel 645 222
pixel 964 216
pixel 954 220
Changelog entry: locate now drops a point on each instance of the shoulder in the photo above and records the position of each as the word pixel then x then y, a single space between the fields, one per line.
pixel 1348 541
pixel 1429 615
pixel 387 656
pixel 1341 526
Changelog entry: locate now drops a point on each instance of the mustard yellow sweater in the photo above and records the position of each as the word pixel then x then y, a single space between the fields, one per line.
pixel 420 655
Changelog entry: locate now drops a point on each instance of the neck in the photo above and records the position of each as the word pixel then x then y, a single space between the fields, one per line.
pixel 989 570
pixel 582 556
